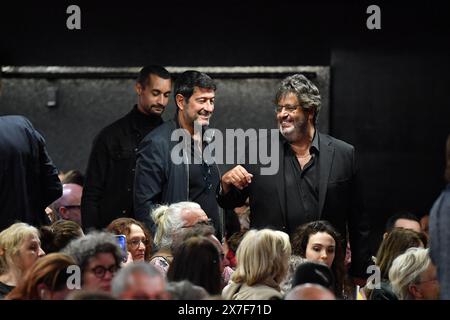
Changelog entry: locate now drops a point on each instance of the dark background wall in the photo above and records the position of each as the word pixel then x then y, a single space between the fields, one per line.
pixel 389 93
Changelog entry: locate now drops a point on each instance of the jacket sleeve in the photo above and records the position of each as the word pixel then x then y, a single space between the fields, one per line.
pixel 94 186
pixel 51 187
pixel 148 181
pixel 233 199
pixel 358 226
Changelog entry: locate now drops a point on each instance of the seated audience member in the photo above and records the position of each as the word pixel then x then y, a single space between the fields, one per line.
pixel 413 276
pixel 139 240
pixel 68 206
pixel 169 220
pixel 197 260
pixel 201 229
pixel 185 290
pixel 98 256
pixel 403 219
pixel 58 235
pixel 318 241
pixel 396 242
pixel 73 176
pixel 20 248
pixel 310 291
pixel 139 281
pixel 262 264
pixel 46 280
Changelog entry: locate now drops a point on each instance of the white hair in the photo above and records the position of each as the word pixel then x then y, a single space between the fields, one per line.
pixel 406 270
pixel 168 220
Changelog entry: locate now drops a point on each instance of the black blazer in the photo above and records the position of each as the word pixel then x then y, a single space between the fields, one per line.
pixel 340 198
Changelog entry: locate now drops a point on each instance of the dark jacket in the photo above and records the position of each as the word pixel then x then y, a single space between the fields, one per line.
pixel 158 179
pixel 340 199
pixel 108 189
pixel 28 178
pixel 440 241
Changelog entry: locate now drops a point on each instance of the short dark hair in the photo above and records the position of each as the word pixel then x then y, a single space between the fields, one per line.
pixel 188 80
pixel 312 272
pixel 400 215
pixel 151 69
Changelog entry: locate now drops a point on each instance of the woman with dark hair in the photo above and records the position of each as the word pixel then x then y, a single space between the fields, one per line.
pixel 198 261
pixel 319 241
pixel 56 236
pixel 396 243
pixel 139 240
pixel 46 280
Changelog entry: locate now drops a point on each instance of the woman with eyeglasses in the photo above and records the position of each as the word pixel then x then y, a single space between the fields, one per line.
pixel 99 256
pixel 139 242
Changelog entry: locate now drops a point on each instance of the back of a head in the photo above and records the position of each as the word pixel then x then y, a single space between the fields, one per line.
pixel 73 176
pixel 197 260
pixel 310 292
pixel 185 290
pixel 262 255
pixel 56 236
pixel 406 269
pixel 123 281
pixel 314 273
pixel 397 242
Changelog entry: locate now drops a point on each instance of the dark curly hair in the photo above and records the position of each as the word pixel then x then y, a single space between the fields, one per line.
pixel 122 226
pixel 300 242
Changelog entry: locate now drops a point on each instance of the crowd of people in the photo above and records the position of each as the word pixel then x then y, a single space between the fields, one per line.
pixel 139 225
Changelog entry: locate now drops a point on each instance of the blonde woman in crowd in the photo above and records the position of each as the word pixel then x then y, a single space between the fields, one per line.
pixel 413 276
pixel 20 248
pixel 262 264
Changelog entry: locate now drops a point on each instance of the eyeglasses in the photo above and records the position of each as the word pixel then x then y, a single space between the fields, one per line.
pixel 134 243
pixel 425 281
pixel 100 271
pixel 288 108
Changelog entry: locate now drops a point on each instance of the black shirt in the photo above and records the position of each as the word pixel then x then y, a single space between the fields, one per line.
pixel 203 182
pixel 109 185
pixel 302 186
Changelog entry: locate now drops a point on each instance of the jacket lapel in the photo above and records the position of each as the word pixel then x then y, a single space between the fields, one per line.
pixel 325 163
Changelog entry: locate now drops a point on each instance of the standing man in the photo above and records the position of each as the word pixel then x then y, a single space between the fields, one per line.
pixel 28 178
pixel 317 177
pixel 108 189
pixel 159 179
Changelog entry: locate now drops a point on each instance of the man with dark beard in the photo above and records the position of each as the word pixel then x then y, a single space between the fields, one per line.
pixel 108 189
pixel 161 179
pixel 317 177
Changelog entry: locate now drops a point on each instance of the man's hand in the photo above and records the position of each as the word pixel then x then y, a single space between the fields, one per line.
pixel 238 177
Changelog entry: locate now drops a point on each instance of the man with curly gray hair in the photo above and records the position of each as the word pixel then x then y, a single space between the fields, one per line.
pixel 98 256
pixel 317 177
